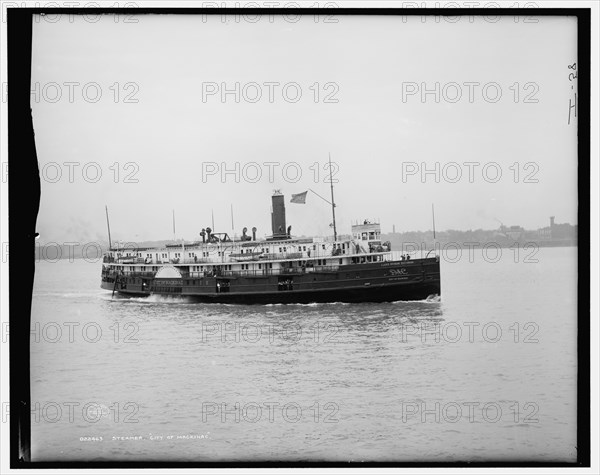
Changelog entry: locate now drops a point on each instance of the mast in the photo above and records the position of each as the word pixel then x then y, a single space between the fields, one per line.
pixel 174 225
pixel 108 226
pixel 332 200
pixel 433 219
pixel 232 228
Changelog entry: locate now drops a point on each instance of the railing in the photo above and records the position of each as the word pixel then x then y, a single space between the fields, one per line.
pixel 401 255
pixel 318 254
pixel 264 272
pixel 138 274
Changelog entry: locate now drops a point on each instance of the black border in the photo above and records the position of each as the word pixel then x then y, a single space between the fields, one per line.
pixel 24 197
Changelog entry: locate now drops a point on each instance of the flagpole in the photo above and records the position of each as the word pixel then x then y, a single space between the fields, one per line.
pixel 433 219
pixel 232 227
pixel 108 226
pixel 332 200
pixel 174 225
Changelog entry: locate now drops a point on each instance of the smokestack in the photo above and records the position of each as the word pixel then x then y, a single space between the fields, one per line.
pixel 551 221
pixel 254 233
pixel 278 215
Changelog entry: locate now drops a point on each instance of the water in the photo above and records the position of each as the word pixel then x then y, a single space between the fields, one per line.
pixel 335 382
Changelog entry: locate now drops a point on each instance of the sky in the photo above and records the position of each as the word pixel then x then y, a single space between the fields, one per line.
pixel 161 133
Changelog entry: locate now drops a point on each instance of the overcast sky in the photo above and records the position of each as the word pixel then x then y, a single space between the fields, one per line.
pixel 176 130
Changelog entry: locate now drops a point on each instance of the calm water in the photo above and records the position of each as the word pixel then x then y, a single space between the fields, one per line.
pixel 339 382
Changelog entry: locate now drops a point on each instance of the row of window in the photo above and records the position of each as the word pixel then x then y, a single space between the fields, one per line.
pixel 363 259
pixel 368 235
pixel 283 249
pixel 265 250
pixel 201 268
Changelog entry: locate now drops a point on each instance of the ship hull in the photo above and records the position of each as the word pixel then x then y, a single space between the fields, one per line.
pixel 388 282
pixel 380 293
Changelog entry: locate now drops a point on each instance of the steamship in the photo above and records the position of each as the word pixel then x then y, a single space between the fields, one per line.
pixel 280 268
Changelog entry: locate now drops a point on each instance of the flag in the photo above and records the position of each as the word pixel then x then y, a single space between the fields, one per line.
pixel 299 198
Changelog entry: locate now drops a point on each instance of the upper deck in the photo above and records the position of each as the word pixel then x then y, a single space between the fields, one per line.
pixel 233 252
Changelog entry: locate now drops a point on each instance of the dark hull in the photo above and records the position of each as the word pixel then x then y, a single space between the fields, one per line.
pixel 412 280
pixel 387 293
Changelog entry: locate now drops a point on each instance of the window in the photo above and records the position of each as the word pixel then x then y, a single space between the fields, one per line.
pixel 323 246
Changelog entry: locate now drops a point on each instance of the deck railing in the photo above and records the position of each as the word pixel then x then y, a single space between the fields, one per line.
pixel 211 261
pixel 236 273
